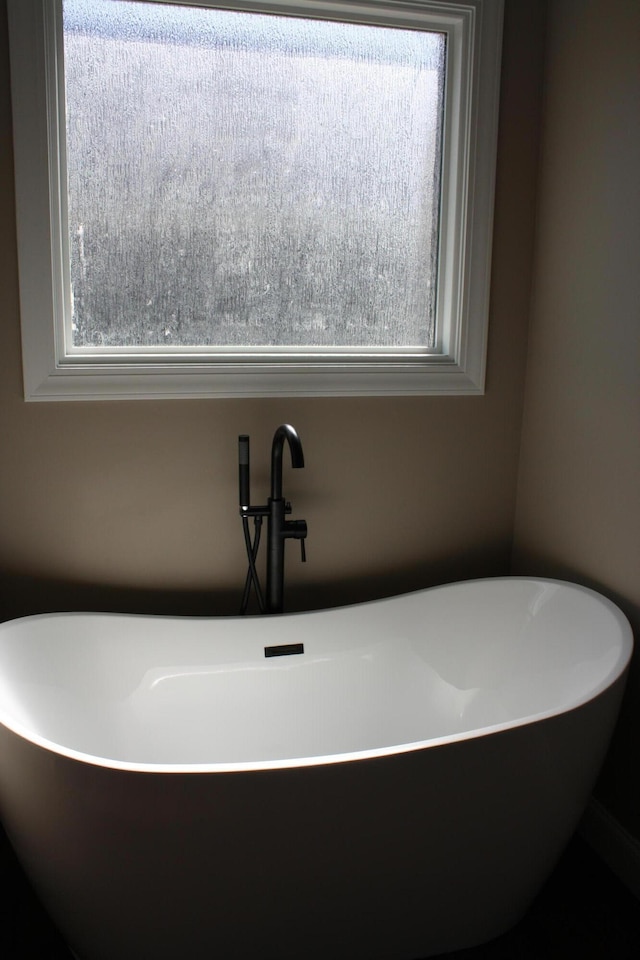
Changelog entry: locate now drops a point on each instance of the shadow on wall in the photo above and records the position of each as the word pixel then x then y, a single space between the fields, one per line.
pixel 23 594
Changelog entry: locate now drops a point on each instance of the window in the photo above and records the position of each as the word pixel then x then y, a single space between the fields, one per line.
pixel 243 202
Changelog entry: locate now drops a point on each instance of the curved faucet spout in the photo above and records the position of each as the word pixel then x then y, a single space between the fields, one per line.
pixel 284 432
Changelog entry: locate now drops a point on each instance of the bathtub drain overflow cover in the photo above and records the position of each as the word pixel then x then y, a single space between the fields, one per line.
pixel 284 650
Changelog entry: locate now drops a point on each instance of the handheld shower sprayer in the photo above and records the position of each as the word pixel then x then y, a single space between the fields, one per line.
pixel 243 471
pixel 252 547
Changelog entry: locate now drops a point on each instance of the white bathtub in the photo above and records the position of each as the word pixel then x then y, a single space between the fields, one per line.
pixel 401 788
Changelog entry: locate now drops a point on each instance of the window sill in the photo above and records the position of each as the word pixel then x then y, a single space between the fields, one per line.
pixel 110 381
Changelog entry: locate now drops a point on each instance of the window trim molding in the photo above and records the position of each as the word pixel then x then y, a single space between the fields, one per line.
pixel 51 372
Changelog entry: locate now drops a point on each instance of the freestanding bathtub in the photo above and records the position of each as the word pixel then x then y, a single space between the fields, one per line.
pixel 401 788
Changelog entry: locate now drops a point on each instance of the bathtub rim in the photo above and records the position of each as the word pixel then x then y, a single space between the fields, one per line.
pixel 617 673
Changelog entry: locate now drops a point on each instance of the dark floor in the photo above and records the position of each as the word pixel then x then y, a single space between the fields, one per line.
pixel 583 911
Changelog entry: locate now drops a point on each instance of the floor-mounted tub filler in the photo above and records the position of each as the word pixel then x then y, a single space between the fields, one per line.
pixel 391 780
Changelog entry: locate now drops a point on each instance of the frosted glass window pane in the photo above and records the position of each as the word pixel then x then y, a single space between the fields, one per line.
pixel 246 180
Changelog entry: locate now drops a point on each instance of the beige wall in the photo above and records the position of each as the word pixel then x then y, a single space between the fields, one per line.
pixel 132 505
pixel 578 513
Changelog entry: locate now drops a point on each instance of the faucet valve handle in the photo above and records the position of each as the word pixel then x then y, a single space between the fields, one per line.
pixel 297 530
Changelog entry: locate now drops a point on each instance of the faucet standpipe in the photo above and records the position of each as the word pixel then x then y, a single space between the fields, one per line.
pixel 279 529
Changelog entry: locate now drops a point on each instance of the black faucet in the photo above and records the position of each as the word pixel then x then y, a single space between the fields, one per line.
pixel 279 528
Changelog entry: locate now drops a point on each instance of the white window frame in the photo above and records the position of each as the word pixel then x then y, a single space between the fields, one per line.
pixel 52 371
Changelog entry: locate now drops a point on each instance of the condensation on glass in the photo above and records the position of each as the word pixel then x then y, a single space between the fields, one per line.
pixel 250 180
